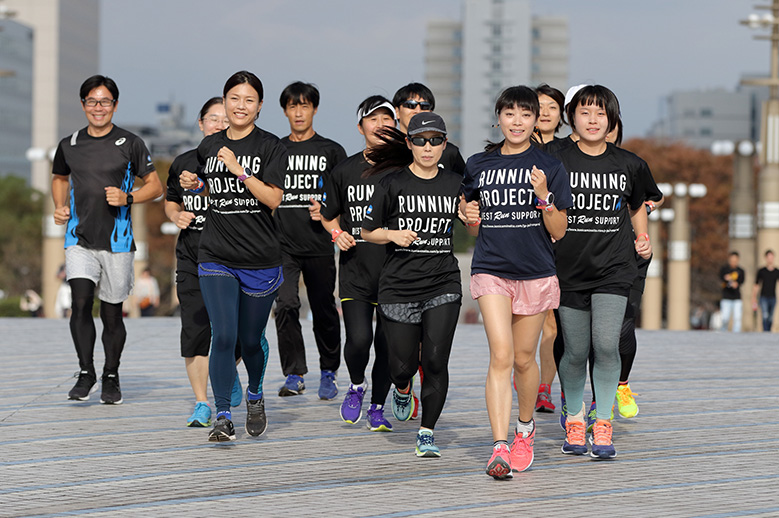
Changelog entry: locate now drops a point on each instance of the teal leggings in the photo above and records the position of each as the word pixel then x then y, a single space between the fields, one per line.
pixel 598 327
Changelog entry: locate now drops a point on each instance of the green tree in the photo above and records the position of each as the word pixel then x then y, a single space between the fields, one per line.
pixel 21 213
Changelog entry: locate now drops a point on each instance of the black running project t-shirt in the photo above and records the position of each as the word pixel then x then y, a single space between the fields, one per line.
pixel 452 160
pixel 189 238
pixel 598 247
pixel 94 163
pixel 308 165
pixel 240 231
pixel 429 207
pixel 513 242
pixel 347 195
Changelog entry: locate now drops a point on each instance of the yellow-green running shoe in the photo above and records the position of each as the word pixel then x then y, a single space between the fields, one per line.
pixel 625 401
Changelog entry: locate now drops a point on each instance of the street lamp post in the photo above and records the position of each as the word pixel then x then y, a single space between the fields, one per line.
pixel 768 180
pixel 652 301
pixel 679 256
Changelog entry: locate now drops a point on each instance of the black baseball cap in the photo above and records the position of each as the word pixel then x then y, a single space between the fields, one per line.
pixel 426 121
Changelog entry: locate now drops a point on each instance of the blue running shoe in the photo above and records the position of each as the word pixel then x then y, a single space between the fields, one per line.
pixel 376 420
pixel 293 386
pixel 327 387
pixel 351 408
pixel 602 447
pixel 426 445
pixel 563 411
pixel 591 417
pixel 575 443
pixel 402 405
pixel 237 394
pixel 201 417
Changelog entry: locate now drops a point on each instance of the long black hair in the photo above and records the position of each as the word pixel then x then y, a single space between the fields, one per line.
pixel 244 76
pixel 521 97
pixel 392 153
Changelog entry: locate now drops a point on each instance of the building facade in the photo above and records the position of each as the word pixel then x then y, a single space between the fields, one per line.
pixel 701 117
pixel 16 51
pixel 498 43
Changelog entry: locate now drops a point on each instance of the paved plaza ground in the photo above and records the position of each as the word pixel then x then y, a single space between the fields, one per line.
pixel 704 444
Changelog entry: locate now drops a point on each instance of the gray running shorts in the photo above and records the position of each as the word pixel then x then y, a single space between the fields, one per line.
pixel 112 272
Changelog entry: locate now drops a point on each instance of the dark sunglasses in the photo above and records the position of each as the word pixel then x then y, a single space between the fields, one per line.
pixel 421 141
pixel 411 105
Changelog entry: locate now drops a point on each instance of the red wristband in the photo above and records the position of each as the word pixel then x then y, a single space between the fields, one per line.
pixel 335 233
pixel 478 222
pixel 645 235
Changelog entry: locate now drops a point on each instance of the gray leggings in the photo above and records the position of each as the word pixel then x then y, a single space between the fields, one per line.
pixel 597 326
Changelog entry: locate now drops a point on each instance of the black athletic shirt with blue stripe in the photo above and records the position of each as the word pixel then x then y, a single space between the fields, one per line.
pixel 94 163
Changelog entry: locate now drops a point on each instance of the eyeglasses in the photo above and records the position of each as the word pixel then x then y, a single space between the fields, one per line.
pixel 412 105
pixel 213 119
pixel 421 141
pixel 104 102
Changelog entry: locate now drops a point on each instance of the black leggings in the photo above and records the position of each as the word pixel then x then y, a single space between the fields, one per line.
pixel 358 321
pixel 435 334
pixel 82 328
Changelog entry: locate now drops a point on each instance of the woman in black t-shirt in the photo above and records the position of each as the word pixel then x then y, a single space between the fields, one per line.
pixel 344 203
pixel 188 211
pixel 239 260
pixel 412 212
pixel 596 261
pixel 550 120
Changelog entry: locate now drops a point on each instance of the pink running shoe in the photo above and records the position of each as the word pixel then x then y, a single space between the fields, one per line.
pixel 499 466
pixel 522 451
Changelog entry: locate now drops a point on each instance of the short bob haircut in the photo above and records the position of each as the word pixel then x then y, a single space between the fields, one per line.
pixel 95 81
pixel 241 77
pixel 413 90
pixel 299 93
pixel 599 96
pixel 557 96
pixel 521 97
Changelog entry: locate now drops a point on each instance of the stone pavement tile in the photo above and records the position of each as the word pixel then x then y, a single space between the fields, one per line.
pixel 703 444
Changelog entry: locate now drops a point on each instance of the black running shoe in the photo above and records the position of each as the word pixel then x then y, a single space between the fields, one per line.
pixel 111 394
pixel 256 420
pixel 86 384
pixel 223 430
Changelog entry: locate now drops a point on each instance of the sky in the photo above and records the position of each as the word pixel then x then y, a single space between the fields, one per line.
pixel 184 50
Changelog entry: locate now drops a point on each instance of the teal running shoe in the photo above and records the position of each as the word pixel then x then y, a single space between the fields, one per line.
pixel 236 396
pixel 201 417
pixel 426 445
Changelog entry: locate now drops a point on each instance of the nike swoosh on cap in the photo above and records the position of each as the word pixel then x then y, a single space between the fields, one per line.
pixel 427 122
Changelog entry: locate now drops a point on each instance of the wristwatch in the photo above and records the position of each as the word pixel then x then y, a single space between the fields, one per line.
pixel 545 204
pixel 129 199
pixel 247 173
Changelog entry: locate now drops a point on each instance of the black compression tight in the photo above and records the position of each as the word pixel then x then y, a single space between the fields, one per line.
pixel 82 327
pixel 435 334
pixel 358 321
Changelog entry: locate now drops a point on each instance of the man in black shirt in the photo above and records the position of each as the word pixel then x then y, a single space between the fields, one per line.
pixel 414 98
pixel 92 187
pixel 765 283
pixel 306 247
pixel 732 277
